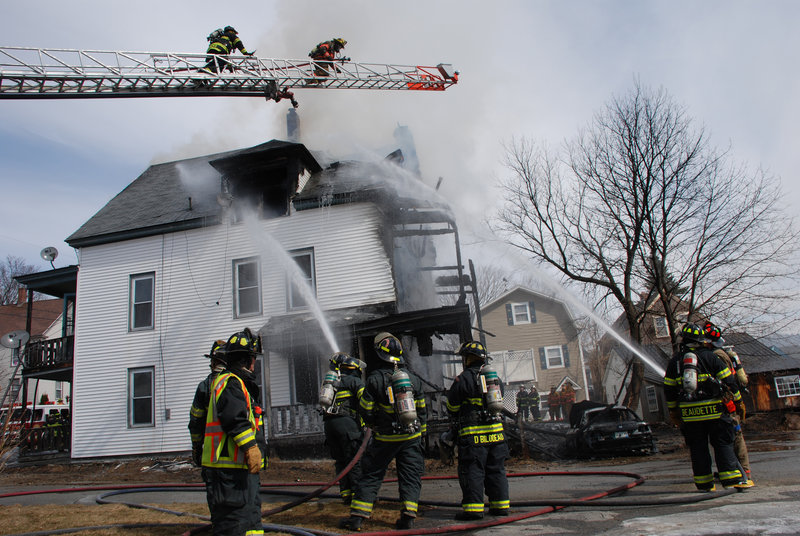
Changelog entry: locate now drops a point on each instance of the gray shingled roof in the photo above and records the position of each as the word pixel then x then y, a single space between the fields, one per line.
pixel 159 199
pixel 757 357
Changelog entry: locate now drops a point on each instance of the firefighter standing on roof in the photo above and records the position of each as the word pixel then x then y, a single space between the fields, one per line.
pixel 234 445
pixel 694 385
pixel 199 411
pixel 731 360
pixel 223 43
pixel 393 405
pixel 343 425
pixel 475 403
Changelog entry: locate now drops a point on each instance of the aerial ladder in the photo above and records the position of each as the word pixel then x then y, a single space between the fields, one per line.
pixel 36 73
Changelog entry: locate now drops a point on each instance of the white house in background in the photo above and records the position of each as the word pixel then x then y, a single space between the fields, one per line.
pixel 174 262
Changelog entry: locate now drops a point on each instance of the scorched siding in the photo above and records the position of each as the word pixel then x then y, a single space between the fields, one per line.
pixel 194 306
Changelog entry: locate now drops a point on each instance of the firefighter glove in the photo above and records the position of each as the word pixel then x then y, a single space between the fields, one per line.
pixel 253 457
pixel 197 454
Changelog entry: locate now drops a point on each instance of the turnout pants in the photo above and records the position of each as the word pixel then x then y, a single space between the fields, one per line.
pixel 410 464
pixel 739 446
pixel 720 433
pixel 344 436
pixel 234 502
pixel 482 467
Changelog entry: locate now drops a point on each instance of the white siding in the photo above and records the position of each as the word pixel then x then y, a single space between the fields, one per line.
pixel 194 306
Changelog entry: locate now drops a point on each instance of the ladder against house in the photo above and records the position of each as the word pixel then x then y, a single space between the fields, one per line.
pixel 12 390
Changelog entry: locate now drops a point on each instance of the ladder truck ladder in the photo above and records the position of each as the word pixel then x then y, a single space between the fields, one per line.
pixel 35 73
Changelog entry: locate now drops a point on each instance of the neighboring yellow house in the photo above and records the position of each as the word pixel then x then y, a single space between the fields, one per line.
pixel 535 343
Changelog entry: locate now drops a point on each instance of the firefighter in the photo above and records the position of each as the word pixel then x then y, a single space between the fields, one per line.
pixel 534 399
pixel 234 445
pixel 567 399
pixel 523 407
pixel 199 411
pixel 694 385
pixel 344 428
pixel 393 405
pixel 223 43
pixel 717 345
pixel 482 447
pixel 554 404
pixel 324 54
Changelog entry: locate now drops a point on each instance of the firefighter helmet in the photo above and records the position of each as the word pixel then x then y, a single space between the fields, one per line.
pixel 352 364
pixel 337 359
pixel 692 333
pixel 241 346
pixel 473 348
pixel 229 29
pixel 388 348
pixel 338 41
pixel 216 347
pixel 714 334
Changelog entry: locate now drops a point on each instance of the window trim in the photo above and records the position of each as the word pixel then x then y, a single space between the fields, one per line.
pixel 290 306
pixel 132 303
pixel 236 289
pixel 527 319
pixel 131 373
pixel 790 383
pixel 560 353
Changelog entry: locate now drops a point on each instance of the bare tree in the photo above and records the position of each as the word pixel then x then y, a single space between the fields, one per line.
pixel 9 288
pixel 638 205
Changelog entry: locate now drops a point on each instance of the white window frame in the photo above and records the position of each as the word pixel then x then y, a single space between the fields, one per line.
pixel 133 303
pixel 238 289
pixel 520 316
pixel 786 386
pixel 311 279
pixel 59 390
pixel 548 351
pixel 652 398
pixel 133 397
pixel 661 326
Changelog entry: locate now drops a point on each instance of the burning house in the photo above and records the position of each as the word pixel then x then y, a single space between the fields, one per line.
pixel 316 256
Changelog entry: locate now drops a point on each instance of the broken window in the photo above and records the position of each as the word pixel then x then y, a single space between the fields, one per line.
pixel 787 385
pixel 301 282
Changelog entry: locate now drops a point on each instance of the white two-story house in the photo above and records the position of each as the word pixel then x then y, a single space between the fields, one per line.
pixel 315 256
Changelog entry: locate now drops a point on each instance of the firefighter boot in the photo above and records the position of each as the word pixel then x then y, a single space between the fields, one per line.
pixel 352 523
pixel 405 522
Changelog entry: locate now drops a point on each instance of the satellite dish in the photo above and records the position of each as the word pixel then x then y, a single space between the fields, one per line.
pixel 49 254
pixel 15 339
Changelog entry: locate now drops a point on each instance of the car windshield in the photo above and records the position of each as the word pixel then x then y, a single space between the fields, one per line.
pixel 611 416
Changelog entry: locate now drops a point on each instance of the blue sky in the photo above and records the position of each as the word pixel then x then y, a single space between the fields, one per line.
pixel 528 68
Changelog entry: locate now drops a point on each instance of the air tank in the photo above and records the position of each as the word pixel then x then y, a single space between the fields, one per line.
pixel 490 387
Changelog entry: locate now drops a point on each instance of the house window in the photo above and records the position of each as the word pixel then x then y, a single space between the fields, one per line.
pixel 141 406
pixel 142 291
pixel 520 313
pixel 59 390
pixel 661 327
pixel 652 398
pixel 787 385
pixel 246 287
pixel 301 281
pixel 554 356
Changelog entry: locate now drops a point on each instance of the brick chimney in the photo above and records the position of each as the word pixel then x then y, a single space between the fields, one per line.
pixel 22 295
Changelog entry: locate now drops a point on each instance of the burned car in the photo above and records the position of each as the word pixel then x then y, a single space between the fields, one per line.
pixel 607 430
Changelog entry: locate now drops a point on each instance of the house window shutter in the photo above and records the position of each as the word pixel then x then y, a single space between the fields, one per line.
pixel 532 311
pixel 565 354
pixel 543 358
pixel 510 314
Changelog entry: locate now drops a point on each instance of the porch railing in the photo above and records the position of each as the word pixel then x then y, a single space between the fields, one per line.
pixel 50 353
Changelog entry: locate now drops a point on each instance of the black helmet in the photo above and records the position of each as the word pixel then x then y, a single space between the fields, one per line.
pixel 337 359
pixel 352 364
pixel 388 348
pixel 229 29
pixel 692 333
pixel 473 348
pixel 218 344
pixel 242 345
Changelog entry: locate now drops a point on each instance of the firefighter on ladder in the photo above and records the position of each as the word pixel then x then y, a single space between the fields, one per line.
pixel 695 385
pixel 222 43
pixel 344 430
pixel 234 443
pixel 475 403
pixel 324 54
pixel 393 405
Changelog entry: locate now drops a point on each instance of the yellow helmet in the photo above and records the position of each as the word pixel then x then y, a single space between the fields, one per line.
pixel 339 41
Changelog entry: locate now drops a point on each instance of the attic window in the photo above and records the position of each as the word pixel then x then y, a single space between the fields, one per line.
pixel 520 313
pixel 661 327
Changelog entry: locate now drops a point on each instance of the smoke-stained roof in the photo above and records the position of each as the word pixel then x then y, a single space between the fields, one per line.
pixel 171 196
